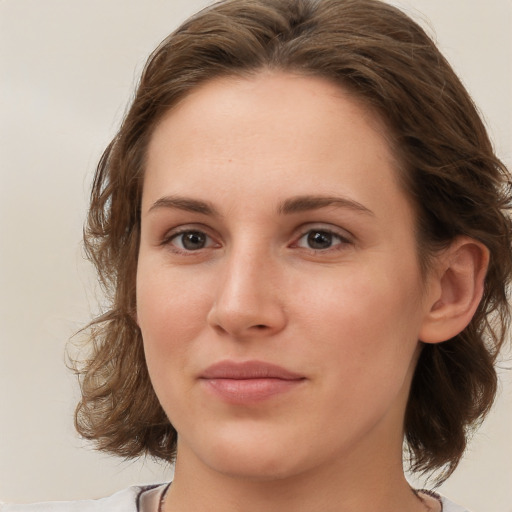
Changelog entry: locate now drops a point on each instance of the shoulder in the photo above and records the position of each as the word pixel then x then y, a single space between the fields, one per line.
pixel 126 500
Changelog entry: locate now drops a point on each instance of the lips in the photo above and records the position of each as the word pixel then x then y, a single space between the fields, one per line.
pixel 249 381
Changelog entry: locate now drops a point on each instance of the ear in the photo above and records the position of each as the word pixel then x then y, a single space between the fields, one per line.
pixel 456 285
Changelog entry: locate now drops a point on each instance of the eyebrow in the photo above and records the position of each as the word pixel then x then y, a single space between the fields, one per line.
pixel 292 205
pixel 311 202
pixel 184 203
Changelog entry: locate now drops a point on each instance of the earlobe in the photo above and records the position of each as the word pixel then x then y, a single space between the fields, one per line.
pixel 457 289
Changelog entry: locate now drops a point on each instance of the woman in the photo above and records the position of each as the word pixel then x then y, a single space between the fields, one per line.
pixel 304 230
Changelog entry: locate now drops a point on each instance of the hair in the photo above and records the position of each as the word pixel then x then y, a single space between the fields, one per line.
pixel 446 164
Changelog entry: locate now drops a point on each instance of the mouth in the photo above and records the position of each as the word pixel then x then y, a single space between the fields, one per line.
pixel 249 381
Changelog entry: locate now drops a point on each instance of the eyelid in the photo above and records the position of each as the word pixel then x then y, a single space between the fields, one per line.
pixel 328 228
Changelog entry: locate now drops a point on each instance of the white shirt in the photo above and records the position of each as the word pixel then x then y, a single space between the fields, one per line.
pixel 133 499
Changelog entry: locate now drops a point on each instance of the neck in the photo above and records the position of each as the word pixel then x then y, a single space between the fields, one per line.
pixel 346 486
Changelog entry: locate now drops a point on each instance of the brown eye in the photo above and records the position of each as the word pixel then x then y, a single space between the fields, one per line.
pixel 191 240
pixel 321 239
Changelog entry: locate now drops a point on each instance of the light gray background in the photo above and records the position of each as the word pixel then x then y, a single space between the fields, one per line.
pixel 68 68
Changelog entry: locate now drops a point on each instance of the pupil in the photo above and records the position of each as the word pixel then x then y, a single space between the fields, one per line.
pixel 319 240
pixel 193 240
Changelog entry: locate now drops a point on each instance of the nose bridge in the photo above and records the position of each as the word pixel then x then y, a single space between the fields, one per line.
pixel 247 300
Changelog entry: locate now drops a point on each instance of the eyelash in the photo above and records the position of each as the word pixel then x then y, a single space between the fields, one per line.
pixel 168 240
pixel 342 241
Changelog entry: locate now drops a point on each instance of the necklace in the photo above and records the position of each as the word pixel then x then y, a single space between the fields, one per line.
pixel 416 492
pixel 162 498
pixel 432 494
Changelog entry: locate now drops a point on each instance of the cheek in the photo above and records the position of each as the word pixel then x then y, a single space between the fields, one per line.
pixel 367 319
pixel 166 299
pixel 170 325
pixel 171 313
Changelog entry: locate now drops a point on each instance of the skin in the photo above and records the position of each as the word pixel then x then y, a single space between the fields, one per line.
pixel 345 315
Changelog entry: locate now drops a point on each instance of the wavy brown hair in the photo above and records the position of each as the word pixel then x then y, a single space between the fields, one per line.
pixel 447 166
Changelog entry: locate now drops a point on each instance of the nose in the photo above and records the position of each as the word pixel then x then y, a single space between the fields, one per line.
pixel 248 301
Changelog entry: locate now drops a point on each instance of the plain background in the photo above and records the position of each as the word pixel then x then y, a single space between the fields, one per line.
pixel 68 68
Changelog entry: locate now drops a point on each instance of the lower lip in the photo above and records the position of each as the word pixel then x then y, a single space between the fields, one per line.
pixel 241 391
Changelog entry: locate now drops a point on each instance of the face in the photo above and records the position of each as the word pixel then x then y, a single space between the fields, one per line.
pixel 278 287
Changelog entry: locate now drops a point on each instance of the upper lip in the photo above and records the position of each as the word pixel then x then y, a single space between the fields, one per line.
pixel 248 370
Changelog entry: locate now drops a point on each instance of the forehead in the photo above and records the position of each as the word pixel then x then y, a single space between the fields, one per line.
pixel 293 92
pixel 268 121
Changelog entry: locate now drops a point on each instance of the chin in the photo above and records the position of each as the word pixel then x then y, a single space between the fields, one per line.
pixel 257 469
pixel 247 459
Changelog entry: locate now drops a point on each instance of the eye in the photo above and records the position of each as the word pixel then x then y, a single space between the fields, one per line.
pixel 320 239
pixel 190 240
